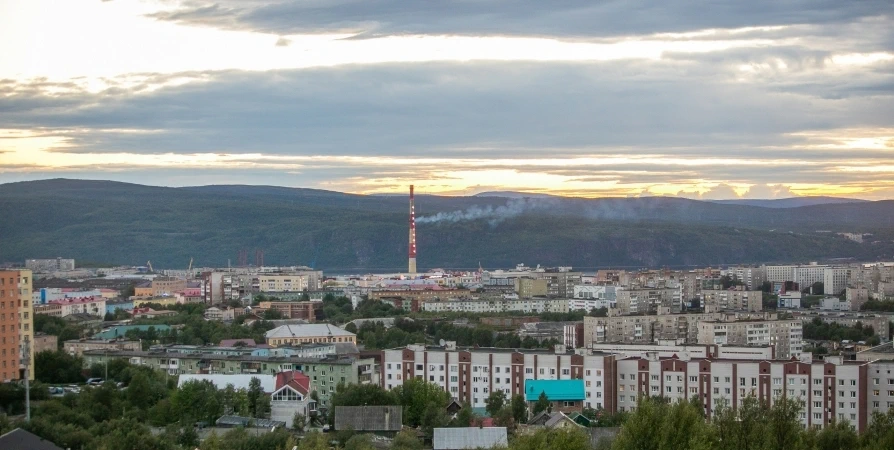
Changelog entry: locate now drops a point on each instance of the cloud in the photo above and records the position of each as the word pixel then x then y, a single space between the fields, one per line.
pixel 576 19
pixel 767 191
pixel 283 42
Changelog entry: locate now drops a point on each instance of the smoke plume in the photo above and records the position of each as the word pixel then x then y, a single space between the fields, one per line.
pixel 494 215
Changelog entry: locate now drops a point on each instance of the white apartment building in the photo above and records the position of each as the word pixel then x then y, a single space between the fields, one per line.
pixel 649 301
pixel 785 335
pixel 789 300
pixel 834 304
pixel 49 265
pixel 778 274
pixel 471 374
pixel 831 390
pixel 835 280
pixel 715 300
pixel 669 348
pixel 497 305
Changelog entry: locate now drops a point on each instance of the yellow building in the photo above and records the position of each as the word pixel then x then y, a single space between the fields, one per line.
pixel 530 287
pixel 163 301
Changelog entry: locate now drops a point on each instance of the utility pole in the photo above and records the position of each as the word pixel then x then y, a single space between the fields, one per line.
pixel 26 360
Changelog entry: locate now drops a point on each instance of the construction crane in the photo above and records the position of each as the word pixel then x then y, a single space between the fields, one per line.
pixel 149 263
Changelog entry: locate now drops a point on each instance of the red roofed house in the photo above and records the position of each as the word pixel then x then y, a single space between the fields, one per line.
pixel 291 395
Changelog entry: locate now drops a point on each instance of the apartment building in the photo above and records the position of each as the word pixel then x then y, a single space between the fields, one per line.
pixel 879 322
pixel 324 373
pixel 648 301
pixel 497 305
pixel 420 294
pixel 779 274
pixel 94 306
pixel 560 283
pixel 294 310
pixel 832 390
pixel 77 347
pixel 857 296
pixel 308 333
pixel 26 319
pixel 9 325
pixel 49 265
pixel 835 280
pixel 167 286
pixel 44 343
pixel 786 336
pixel 669 348
pixel 527 287
pixel 753 277
pixel 471 374
pixel 649 329
pixel 587 297
pixel 282 283
pixel 731 299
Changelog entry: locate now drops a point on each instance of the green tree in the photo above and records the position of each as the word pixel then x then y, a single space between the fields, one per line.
pixel 495 402
pixel 836 436
pixel 784 422
pixel 359 442
pixel 406 440
pixel 255 398
pixel 314 441
pixel 644 427
pixel 197 400
pixel 58 367
pixel 519 409
pixel 542 404
pixel 138 391
pixel 569 438
pixel 419 398
pixel 299 421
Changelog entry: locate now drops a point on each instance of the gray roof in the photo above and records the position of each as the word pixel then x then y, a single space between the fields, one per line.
pixel 558 417
pixel 20 439
pixel 469 438
pixel 306 330
pixel 239 421
pixel 369 418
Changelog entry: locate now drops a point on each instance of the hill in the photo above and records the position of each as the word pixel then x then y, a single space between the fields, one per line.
pixel 793 202
pixel 129 223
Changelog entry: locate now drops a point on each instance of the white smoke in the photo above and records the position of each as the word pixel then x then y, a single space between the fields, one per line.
pixel 494 215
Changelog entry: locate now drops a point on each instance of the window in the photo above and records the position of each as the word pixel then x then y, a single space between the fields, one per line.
pixel 566 372
pixel 588 372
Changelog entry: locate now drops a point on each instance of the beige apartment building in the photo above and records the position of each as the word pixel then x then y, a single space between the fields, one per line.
pixel 732 299
pixel 529 287
pixel 282 283
pixel 648 301
pixel 785 335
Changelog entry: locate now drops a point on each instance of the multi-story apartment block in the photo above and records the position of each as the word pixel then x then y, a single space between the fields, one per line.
pixel 589 296
pixel 16 324
pixel 282 282
pixel 9 325
pixel 650 329
pixel 835 280
pixel 753 277
pixel 857 296
pixel 77 347
pixel 879 322
pixel 735 299
pixel 527 287
pixel 669 348
pixel 325 373
pixel 420 294
pixel 94 306
pixel 49 265
pixel 294 310
pixel 648 301
pixel 307 334
pixel 779 274
pixel 471 374
pixel 498 305
pixel 831 390
pixel 559 282
pixel 167 286
pixel 785 335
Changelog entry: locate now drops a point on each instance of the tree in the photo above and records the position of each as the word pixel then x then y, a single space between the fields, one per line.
pixel 418 397
pixel 464 417
pixel 495 402
pixel 256 398
pixel 58 367
pixel 542 404
pixel 406 440
pixel 571 438
pixel 784 422
pixel 359 442
pixel 299 421
pixel 138 391
pixel 197 400
pixel 838 435
pixel 314 441
pixel 519 409
pixel 272 314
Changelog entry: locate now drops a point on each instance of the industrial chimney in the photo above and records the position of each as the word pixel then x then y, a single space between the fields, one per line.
pixel 412 262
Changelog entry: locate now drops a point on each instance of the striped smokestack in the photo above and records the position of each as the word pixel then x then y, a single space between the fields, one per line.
pixel 412 262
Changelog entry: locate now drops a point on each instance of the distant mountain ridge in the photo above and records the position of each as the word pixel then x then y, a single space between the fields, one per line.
pixel 131 223
pixel 793 202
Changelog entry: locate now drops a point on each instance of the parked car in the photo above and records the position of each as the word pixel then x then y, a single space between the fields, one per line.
pixel 94 381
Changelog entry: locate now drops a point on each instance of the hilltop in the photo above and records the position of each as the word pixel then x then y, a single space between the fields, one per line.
pixel 130 224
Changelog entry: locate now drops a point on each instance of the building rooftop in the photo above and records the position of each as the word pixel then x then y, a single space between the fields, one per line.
pixel 306 330
pixel 556 390
pixel 20 439
pixel 238 421
pixel 887 347
pixel 239 381
pixel 469 438
pixel 327 359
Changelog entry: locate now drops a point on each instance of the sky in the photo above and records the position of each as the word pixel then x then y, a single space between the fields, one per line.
pixel 703 99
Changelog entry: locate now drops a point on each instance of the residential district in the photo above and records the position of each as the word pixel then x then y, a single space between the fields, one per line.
pixel 442 359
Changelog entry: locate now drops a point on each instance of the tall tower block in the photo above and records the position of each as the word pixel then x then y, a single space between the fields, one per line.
pixel 412 262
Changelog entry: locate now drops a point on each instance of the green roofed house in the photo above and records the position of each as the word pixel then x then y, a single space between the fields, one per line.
pixel 566 396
